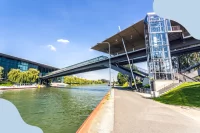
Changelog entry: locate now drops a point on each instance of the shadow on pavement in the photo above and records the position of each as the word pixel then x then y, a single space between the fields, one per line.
pixel 142 94
pixel 124 88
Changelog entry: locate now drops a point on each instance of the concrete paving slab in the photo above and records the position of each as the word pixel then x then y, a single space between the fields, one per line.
pixel 136 114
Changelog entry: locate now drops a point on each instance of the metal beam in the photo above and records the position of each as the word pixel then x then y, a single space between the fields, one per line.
pixel 120 70
pixel 136 56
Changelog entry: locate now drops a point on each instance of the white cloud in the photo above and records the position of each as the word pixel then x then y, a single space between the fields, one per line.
pixel 52 47
pixel 63 41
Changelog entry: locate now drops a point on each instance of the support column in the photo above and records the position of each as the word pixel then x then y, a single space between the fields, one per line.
pixel 158 52
pixel 130 82
pixel 62 79
pixel 157 45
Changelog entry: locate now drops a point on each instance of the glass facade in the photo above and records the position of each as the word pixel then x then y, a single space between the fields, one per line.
pixel 157 45
pixel 9 63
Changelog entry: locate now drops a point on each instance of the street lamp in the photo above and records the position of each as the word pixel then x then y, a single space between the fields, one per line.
pixel 109 61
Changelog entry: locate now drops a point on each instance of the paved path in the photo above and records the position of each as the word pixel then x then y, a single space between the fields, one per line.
pixel 104 120
pixel 134 114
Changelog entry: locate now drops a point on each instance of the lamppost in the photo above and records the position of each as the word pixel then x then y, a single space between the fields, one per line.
pixel 109 61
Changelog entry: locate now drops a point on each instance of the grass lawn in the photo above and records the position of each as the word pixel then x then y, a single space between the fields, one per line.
pixel 187 94
pixel 5 83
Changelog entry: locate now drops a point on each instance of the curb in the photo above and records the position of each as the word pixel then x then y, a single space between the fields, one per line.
pixel 87 123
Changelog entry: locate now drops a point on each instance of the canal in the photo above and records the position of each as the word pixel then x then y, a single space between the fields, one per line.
pixel 56 110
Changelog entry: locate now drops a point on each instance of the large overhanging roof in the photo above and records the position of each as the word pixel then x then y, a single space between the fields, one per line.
pixel 133 37
pixel 28 61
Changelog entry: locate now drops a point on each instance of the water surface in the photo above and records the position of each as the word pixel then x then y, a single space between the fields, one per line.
pixel 56 110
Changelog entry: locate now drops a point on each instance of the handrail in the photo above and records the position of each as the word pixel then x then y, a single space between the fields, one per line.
pixel 175 28
pixel 139 71
pixel 142 70
pixel 191 67
pixel 185 47
pixel 189 77
pixel 94 60
pixel 104 58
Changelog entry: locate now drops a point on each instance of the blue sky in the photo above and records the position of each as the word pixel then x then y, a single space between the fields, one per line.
pixel 61 32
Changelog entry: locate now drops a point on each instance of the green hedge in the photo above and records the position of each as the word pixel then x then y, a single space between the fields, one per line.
pixel 5 83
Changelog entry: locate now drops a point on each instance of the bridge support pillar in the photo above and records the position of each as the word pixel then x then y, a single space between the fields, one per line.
pixel 46 82
pixel 62 79
pixel 130 82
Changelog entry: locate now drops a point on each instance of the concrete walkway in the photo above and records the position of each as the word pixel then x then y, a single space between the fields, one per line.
pixel 104 120
pixel 135 114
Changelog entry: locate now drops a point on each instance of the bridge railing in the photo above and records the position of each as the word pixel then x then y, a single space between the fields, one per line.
pixel 191 46
pixel 142 70
pixel 94 60
pixel 139 70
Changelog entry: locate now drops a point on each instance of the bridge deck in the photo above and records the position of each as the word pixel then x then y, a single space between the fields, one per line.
pixel 137 56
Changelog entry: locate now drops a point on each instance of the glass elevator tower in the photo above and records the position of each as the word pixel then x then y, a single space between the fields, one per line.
pixel 157 45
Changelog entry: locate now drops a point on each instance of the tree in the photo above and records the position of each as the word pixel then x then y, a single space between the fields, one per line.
pixel 14 75
pixel 1 72
pixel 77 80
pixel 122 78
pixel 187 60
pixel 104 81
pixel 22 77
pixel 33 75
pixel 17 76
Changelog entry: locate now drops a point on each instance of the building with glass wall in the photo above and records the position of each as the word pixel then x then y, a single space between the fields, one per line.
pixel 10 62
pixel 157 46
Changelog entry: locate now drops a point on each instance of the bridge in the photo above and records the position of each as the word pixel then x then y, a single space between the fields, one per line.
pixel 118 61
pixel 98 63
pixel 153 39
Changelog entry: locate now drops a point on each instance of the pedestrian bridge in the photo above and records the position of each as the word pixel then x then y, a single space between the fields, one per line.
pixel 180 43
pixel 118 62
pixel 101 62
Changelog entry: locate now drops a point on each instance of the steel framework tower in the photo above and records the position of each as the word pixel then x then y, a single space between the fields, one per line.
pixel 157 45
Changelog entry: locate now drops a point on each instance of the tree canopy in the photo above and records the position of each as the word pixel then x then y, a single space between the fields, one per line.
pixel 17 76
pixel 122 78
pixel 187 60
pixel 1 72
pixel 77 80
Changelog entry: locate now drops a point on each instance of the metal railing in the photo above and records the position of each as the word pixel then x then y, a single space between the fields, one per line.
pixel 191 46
pixel 176 28
pixel 142 70
pixel 94 60
pixel 191 67
pixel 139 70
pixel 105 57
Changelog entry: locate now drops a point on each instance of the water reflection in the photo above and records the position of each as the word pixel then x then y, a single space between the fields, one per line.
pixel 56 110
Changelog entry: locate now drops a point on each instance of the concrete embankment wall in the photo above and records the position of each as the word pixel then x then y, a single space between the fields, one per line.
pixel 160 84
pixel 84 128
pixel 19 87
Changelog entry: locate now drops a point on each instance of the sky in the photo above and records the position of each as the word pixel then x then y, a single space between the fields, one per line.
pixel 60 33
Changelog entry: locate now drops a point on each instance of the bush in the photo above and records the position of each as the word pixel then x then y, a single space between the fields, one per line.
pixel 125 84
pixel 146 86
pixel 6 83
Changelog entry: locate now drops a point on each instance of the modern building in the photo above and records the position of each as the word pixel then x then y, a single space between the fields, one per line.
pixel 9 62
pixel 155 40
pixel 156 31
pixel 158 37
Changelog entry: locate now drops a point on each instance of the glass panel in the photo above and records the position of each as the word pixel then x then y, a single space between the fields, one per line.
pixel 158 46
pixel 80 64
